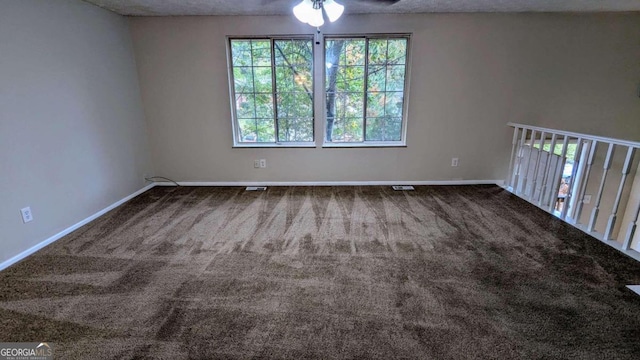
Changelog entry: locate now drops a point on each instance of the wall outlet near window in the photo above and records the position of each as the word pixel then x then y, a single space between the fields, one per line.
pixel 256 163
pixel 263 163
pixel 454 162
pixel 586 199
pixel 27 215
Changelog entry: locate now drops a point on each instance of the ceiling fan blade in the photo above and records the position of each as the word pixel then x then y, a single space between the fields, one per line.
pixel 381 2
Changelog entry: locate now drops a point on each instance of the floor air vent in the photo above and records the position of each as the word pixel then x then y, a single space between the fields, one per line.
pixel 402 187
pixel 256 188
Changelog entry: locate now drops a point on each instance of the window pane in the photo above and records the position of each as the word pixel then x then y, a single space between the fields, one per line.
pixel 261 52
pixel 303 104
pixel 265 130
pixel 397 51
pixel 305 129
pixel 247 130
pixel 349 78
pixel 375 104
pixel 243 79
pixel 332 50
pixel 350 105
pixel 393 104
pixel 377 78
pixel 377 51
pixel 352 129
pixel 354 52
pixel 284 79
pixel 395 78
pixel 286 105
pixel 245 106
pixel 295 130
pixel 347 130
pixel 264 106
pixel 294 83
pixel 295 105
pixel 262 79
pixel 293 52
pixel 359 69
pixel 286 129
pixel 303 79
pixel 385 128
pixel 256 101
pixel 241 52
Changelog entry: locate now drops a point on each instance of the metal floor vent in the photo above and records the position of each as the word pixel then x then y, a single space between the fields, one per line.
pixel 255 188
pixel 402 187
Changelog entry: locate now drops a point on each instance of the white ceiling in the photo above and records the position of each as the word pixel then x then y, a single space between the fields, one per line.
pixel 277 7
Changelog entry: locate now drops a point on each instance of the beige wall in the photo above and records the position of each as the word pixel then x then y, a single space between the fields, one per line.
pixel 470 75
pixel 72 130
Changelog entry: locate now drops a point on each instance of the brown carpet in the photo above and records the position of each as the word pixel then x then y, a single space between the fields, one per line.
pixel 325 272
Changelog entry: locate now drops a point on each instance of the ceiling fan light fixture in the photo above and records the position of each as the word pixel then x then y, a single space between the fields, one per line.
pixel 310 11
pixel 333 9
pixel 304 11
pixel 316 18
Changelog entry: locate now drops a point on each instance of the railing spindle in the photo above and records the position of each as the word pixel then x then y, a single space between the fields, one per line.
pixel 574 184
pixel 557 175
pixel 526 173
pixel 585 179
pixel 631 230
pixel 535 169
pixel 543 188
pixel 614 212
pixel 520 156
pixel 514 155
pixel 605 167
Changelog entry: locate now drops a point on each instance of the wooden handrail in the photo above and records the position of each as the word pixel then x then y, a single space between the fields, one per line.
pixel 635 144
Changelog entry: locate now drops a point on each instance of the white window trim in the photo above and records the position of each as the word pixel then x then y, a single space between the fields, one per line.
pixel 319 57
pixel 275 145
pixel 234 117
pixel 363 144
pixel 405 103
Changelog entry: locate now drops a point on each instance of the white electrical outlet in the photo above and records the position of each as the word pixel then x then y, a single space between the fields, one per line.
pixel 256 163
pixel 586 199
pixel 263 163
pixel 27 215
pixel 454 162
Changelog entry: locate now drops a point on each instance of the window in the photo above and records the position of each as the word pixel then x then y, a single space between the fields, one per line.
pixel 365 80
pixel 272 91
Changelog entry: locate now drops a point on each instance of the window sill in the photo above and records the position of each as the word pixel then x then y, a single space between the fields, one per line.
pixel 389 144
pixel 275 145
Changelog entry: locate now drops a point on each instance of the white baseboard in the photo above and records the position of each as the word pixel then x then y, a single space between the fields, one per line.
pixel 330 183
pixel 68 230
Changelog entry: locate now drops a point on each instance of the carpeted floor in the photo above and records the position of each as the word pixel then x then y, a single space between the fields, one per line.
pixel 450 272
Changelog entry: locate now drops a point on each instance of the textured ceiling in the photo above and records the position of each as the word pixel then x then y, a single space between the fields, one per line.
pixel 277 7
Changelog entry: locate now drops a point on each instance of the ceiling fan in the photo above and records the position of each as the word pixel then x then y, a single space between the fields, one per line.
pixel 312 12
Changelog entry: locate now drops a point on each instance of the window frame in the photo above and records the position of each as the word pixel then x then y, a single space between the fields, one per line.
pixel 232 94
pixel 405 102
